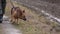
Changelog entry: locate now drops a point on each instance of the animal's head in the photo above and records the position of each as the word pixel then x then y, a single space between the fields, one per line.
pixel 23 15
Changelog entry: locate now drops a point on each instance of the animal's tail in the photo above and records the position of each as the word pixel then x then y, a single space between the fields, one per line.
pixel 11 3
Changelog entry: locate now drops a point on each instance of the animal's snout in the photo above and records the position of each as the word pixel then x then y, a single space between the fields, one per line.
pixel 24 19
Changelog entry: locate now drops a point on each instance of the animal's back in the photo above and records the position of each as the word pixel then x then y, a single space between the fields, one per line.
pixel 16 12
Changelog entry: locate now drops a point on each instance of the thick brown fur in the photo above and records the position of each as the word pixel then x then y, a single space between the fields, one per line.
pixel 17 13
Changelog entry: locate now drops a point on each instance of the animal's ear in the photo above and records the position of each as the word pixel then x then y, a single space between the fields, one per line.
pixel 23 11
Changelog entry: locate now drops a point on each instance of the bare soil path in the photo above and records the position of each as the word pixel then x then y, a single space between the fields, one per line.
pixel 7 27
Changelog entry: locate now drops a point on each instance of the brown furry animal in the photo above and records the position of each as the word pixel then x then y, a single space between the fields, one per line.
pixel 17 13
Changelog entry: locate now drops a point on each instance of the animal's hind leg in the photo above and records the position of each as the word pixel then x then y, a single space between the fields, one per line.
pixel 17 21
pixel 12 20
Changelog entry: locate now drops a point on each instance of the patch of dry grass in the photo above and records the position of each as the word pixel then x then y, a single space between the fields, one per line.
pixel 35 24
pixel 8 8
